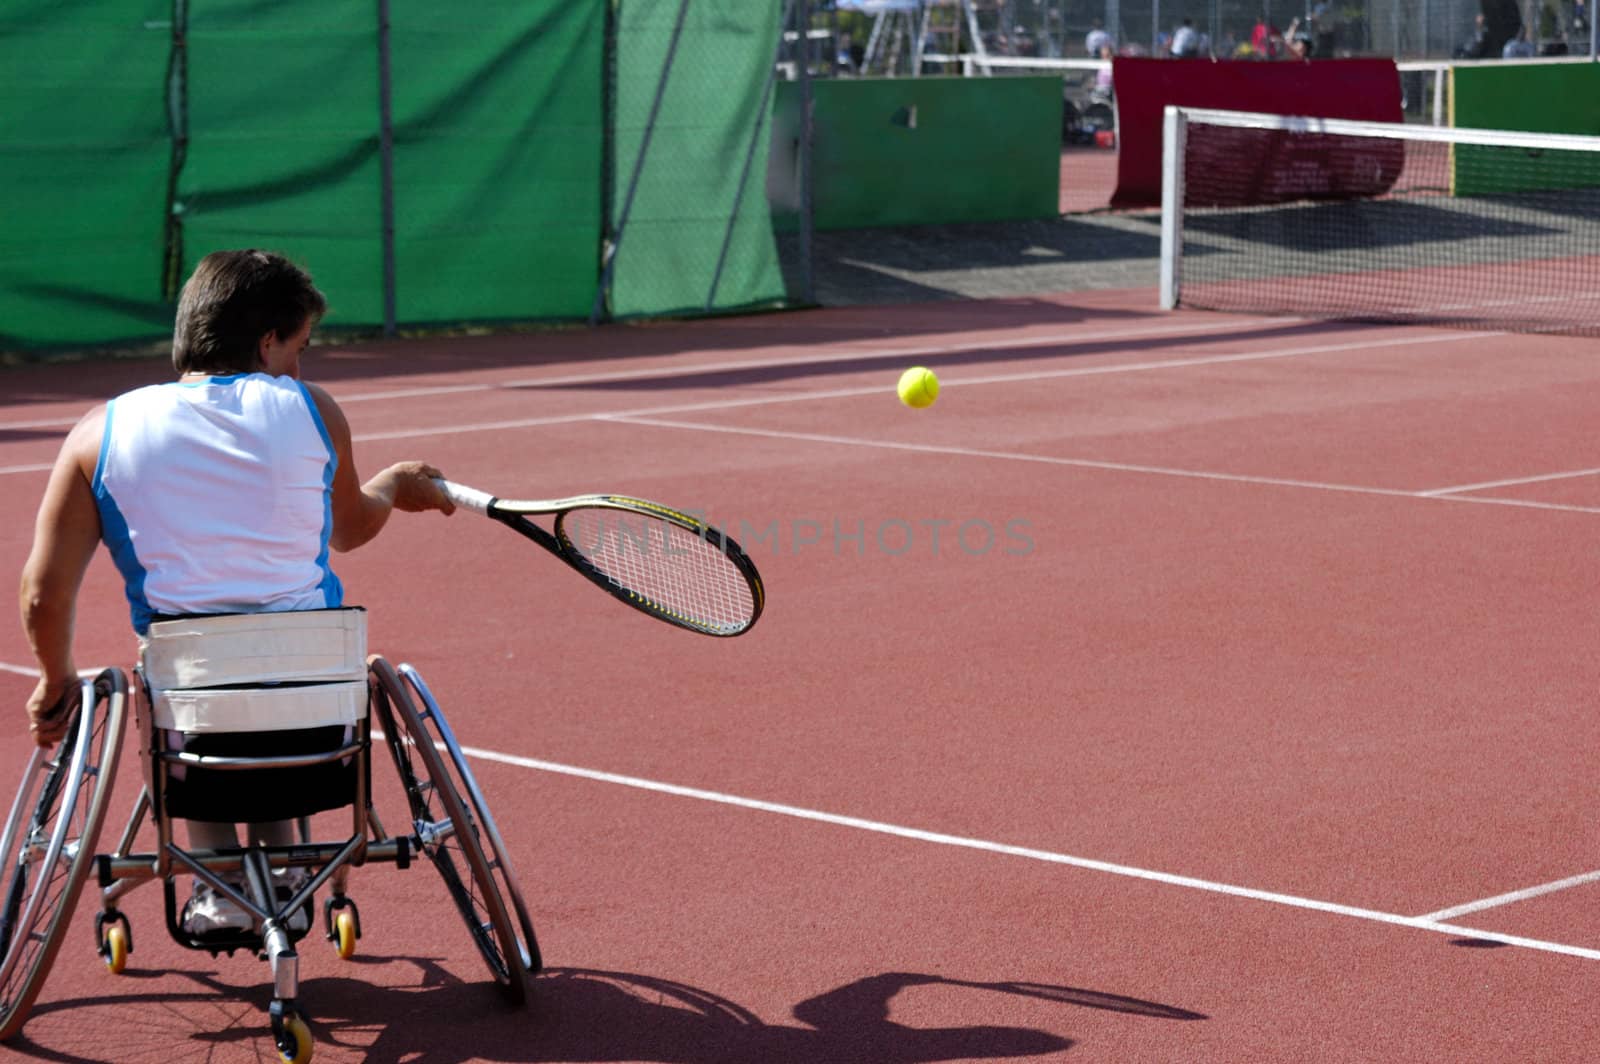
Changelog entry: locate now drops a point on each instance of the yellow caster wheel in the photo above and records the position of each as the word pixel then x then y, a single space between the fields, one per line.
pixel 116 953
pixel 111 930
pixel 294 1044
pixel 344 929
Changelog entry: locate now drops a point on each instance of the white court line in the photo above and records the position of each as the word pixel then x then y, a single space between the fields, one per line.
pixel 799 397
pixel 847 393
pixel 1421 923
pixel 854 354
pixel 20 670
pixel 1486 485
pixel 1514 896
pixel 996 344
pixel 844 393
pixel 37 467
pixel 1526 504
pixel 1087 463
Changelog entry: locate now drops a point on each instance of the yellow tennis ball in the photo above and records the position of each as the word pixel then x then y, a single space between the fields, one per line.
pixel 918 387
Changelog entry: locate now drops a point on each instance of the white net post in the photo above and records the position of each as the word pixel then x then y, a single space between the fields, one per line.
pixel 1174 132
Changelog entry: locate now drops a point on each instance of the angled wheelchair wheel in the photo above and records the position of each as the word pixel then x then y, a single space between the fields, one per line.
pixel 49 843
pixel 447 830
pixel 466 785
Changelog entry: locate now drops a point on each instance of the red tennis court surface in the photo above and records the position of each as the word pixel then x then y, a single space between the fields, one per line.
pixel 1242 709
pixel 1088 178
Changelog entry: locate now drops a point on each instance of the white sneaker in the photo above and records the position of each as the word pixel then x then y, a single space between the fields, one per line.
pixel 208 912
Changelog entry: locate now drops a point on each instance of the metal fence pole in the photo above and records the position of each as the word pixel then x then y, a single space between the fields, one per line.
pixel 178 130
pixel 808 276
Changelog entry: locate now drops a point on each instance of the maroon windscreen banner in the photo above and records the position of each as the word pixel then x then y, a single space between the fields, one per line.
pixel 1264 168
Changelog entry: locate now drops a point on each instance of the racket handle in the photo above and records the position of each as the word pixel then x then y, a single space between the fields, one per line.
pixel 465 497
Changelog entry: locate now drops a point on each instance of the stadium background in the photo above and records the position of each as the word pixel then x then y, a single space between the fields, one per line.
pixel 536 163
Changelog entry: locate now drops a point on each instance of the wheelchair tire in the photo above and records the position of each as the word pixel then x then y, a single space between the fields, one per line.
pixel 49 843
pixel 446 831
pixel 466 785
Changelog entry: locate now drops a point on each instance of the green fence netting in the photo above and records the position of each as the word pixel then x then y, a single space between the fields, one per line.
pixel 84 156
pixel 427 163
pixel 693 124
pixel 280 106
pixel 498 130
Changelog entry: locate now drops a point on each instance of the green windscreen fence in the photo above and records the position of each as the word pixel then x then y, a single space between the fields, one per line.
pixel 280 105
pixel 1555 98
pixel 84 159
pixel 507 160
pixel 498 138
pixel 693 128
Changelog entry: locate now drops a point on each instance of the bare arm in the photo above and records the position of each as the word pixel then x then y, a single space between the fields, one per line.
pixel 361 510
pixel 66 533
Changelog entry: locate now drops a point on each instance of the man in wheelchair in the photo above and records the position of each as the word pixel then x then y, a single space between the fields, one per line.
pixel 218 493
pixel 219 497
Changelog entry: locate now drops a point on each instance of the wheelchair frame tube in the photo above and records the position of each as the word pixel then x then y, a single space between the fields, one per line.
pixel 246 763
pixel 137 868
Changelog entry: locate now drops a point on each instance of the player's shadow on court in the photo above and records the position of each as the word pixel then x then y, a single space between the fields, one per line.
pixel 602 1016
pixel 575 1015
pixel 584 1015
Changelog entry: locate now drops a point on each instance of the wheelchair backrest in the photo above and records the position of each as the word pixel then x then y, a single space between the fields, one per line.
pixel 251 672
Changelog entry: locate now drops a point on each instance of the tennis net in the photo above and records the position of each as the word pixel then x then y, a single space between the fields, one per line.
pixel 1371 221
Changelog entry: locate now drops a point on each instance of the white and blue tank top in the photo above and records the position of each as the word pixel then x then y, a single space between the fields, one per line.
pixel 215 496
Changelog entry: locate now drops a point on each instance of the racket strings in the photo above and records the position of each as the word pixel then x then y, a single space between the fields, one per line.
pixel 676 571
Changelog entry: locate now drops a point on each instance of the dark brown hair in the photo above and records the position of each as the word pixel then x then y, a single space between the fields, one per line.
pixel 234 299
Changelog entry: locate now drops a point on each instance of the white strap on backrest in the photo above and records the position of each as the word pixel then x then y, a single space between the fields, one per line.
pixel 259 709
pixel 229 650
pixel 258 671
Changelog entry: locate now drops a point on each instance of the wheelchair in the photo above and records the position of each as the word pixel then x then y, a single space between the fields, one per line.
pixel 251 718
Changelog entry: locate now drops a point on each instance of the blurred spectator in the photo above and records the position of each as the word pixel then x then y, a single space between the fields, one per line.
pixel 1185 41
pixel 1266 40
pixel 1102 77
pixel 1324 29
pixel 1300 45
pixel 1501 19
pixel 1518 47
pixel 1097 39
pixel 1476 46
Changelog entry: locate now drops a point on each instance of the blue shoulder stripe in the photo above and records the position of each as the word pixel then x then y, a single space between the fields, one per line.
pixel 114 530
pixel 332 589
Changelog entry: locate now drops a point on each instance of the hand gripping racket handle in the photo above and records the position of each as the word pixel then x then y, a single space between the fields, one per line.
pixel 465 497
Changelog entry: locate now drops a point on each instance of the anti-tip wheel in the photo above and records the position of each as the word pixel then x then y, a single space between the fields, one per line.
pixel 294 1040
pixel 116 949
pixel 344 930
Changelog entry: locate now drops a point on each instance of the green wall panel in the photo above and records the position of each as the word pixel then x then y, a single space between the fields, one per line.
pixel 925 151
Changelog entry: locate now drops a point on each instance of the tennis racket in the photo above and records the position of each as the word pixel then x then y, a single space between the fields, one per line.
pixel 663 562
